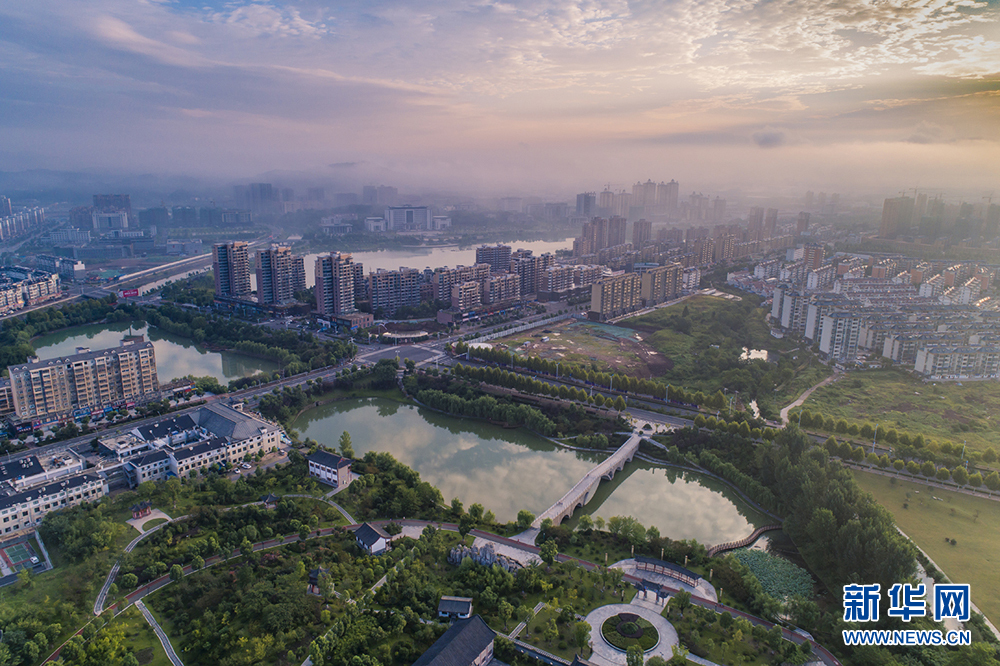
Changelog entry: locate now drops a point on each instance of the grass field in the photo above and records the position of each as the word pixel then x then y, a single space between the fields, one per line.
pixel 941 411
pixel 141 639
pixel 974 523
pixel 150 524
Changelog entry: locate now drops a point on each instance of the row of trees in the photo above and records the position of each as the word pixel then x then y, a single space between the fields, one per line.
pixel 488 407
pixel 16 332
pixel 526 384
pixel 927 468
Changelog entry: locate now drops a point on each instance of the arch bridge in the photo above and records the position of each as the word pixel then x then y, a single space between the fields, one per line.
pixel 583 491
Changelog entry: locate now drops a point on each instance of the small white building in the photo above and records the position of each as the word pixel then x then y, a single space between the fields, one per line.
pixel 455 608
pixel 330 468
pixel 372 539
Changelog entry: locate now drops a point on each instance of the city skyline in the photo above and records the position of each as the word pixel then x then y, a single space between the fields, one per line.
pixel 503 97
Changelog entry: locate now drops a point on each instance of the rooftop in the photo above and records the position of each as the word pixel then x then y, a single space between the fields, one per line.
pixel 460 645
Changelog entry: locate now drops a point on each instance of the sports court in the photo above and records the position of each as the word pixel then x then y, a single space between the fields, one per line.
pixel 16 556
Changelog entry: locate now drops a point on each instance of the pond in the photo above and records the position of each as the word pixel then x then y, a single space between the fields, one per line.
pixel 175 356
pixel 508 470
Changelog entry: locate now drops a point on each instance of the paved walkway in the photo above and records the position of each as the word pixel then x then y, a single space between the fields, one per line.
pixel 137 523
pixel 605 655
pixel 805 395
pixel 164 641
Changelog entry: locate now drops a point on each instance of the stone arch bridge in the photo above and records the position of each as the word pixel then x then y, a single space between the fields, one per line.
pixel 583 491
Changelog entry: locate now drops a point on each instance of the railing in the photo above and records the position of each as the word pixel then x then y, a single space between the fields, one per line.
pixel 732 545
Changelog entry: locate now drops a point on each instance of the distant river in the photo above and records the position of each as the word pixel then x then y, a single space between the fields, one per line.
pixel 175 356
pixel 508 470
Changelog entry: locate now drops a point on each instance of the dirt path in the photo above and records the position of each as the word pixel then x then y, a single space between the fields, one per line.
pixel 805 395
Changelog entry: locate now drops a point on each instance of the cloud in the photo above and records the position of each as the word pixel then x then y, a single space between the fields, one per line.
pixel 769 138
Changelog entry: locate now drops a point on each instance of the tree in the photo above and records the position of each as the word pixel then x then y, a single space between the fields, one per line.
pixel 681 601
pixel 619 404
pixel 346 448
pixel 466 524
pixel 504 611
pixel 476 512
pixel 456 507
pixel 633 656
pixel 992 481
pixel 960 476
pixel 989 455
pixel 927 469
pixel 130 660
pixel 548 552
pixel 524 519
pixel 176 572
pixel 586 523
pixel 581 634
pixel 25 580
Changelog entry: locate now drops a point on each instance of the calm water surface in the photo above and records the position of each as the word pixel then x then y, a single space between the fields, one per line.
pixel 509 470
pixel 175 356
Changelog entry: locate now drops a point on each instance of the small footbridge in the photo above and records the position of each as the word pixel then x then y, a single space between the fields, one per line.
pixel 583 491
pixel 733 545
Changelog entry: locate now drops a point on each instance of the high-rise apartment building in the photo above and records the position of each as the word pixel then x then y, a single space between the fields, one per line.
pixel 231 264
pixel 660 284
pixel 718 209
pixel 670 196
pixel 616 231
pixel 502 288
pixel 615 296
pixel 770 222
pixel 586 203
pixel 497 256
pixel 391 290
pixel 87 380
pixel 443 279
pixel 530 270
pixel 467 296
pixel 814 256
pixel 802 223
pixel 897 214
pixel 279 275
pixel 642 233
pixel 335 283
pixel 5 208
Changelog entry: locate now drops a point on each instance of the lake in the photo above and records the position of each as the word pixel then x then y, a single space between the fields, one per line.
pixel 508 470
pixel 175 356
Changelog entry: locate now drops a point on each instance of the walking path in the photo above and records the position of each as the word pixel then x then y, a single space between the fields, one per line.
pixel 164 640
pixel 808 392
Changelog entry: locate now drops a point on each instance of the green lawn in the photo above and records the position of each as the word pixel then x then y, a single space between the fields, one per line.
pixel 974 522
pixel 150 524
pixel 141 639
pixel 942 411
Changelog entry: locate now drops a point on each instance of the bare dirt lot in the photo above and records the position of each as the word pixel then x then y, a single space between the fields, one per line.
pixel 610 348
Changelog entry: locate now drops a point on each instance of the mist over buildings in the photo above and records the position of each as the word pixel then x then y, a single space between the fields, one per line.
pixel 536 99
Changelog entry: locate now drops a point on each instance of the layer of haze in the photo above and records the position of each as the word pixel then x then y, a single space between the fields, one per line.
pixel 521 95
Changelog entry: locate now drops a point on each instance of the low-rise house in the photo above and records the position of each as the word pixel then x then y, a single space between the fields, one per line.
pixel 466 643
pixel 455 608
pixel 372 539
pixel 330 468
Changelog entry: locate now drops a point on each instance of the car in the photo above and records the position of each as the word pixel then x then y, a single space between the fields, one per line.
pixel 245 465
pixel 33 559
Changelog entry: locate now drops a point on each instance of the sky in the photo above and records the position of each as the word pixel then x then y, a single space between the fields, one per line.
pixel 509 97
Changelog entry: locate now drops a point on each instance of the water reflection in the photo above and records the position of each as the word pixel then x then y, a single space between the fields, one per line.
pixel 682 505
pixel 175 356
pixel 508 470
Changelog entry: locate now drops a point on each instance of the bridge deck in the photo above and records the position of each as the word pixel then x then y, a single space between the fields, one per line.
pixel 625 452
